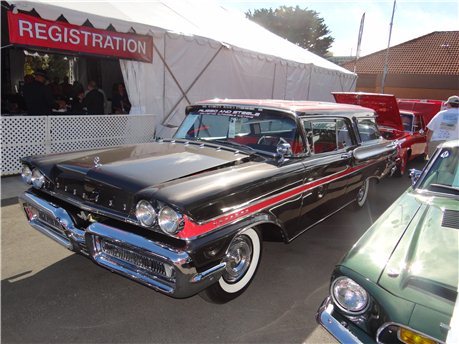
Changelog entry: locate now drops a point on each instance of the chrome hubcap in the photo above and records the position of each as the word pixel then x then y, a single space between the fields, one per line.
pixel 238 259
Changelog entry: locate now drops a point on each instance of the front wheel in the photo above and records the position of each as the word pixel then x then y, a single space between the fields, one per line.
pixel 362 194
pixel 242 260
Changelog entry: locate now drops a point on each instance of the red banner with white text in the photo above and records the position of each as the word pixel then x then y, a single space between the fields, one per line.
pixel 31 31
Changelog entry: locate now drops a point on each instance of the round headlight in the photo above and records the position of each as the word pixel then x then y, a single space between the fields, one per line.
pixel 38 179
pixel 349 296
pixel 26 174
pixel 169 220
pixel 145 213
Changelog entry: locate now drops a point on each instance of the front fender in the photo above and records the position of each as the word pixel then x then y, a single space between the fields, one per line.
pixel 211 248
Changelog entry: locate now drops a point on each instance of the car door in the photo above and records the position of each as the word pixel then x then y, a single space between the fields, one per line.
pixel 326 170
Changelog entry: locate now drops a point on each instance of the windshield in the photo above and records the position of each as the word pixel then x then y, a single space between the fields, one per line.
pixel 407 120
pixel 258 130
pixel 443 175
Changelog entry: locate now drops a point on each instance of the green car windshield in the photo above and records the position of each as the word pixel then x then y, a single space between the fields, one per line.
pixel 443 175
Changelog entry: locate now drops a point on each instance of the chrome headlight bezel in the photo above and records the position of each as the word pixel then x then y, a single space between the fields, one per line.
pixel 145 213
pixel 38 178
pixel 169 220
pixel 349 296
pixel 26 174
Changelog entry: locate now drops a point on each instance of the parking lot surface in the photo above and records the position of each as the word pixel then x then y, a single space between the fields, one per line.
pixel 50 295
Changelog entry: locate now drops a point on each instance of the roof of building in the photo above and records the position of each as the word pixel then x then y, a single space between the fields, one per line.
pixel 436 53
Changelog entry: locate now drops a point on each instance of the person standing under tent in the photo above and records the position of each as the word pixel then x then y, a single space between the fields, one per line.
pixel 94 100
pixel 38 97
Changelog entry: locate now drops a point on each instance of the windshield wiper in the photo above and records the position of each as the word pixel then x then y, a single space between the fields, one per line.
pixel 443 187
pixel 232 143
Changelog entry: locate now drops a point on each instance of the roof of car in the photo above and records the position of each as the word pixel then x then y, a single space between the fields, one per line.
pixel 451 144
pixel 289 105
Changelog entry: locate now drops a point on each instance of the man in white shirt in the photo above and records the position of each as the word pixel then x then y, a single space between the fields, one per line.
pixel 444 126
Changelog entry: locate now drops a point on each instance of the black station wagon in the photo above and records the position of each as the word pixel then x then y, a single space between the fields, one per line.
pixel 188 214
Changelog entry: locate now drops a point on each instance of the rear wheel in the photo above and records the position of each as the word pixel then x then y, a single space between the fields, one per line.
pixel 242 258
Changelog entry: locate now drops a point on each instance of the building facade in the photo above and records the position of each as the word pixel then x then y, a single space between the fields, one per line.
pixel 424 68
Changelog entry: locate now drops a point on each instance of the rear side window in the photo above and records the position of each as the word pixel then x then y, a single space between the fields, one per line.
pixel 368 130
pixel 327 135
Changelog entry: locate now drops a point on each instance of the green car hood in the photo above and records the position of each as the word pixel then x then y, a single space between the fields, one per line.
pixel 424 265
pixel 408 251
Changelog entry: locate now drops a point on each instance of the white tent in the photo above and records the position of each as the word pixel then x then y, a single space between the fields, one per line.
pixel 201 51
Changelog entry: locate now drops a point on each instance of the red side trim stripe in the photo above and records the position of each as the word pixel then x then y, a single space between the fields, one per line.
pixel 192 229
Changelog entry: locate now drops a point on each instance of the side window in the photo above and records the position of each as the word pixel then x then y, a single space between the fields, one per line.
pixel 368 130
pixel 321 135
pixel 344 135
pixel 418 125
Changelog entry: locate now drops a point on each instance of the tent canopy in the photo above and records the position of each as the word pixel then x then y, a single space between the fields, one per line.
pixel 202 18
pixel 201 51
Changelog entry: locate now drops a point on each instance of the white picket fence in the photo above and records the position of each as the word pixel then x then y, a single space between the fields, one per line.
pixel 31 135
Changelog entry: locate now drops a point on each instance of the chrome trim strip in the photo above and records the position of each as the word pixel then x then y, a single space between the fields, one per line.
pixel 321 220
pixel 385 325
pixel 325 318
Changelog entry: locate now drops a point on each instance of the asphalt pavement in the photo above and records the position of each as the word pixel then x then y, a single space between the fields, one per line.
pixel 51 295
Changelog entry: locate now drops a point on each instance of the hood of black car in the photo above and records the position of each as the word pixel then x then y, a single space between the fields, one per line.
pixel 111 177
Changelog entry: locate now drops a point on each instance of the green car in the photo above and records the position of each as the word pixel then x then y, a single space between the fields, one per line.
pixel 399 282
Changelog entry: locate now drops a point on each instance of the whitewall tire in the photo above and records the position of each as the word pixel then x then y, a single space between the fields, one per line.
pixel 242 260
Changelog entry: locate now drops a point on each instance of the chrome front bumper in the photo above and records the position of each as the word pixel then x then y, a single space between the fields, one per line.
pixel 151 263
pixel 325 318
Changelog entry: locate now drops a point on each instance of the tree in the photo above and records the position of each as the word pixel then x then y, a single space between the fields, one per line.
pixel 302 27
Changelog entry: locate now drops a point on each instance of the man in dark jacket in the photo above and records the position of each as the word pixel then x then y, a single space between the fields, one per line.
pixel 38 97
pixel 94 100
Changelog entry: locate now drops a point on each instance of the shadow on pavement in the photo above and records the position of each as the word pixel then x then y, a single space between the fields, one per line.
pixel 75 301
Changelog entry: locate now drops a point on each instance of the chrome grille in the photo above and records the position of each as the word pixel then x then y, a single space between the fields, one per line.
pixel 141 261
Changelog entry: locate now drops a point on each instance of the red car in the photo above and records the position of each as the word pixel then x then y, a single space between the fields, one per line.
pixel 404 120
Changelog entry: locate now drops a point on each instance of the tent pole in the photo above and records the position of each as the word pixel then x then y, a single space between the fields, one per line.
pixel 170 72
pixel 191 86
pixel 164 75
pixel 274 80
pixel 309 81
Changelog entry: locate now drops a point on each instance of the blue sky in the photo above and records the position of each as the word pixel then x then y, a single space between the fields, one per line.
pixel 412 19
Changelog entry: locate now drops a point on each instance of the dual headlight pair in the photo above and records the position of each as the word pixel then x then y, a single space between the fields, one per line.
pixel 34 177
pixel 168 219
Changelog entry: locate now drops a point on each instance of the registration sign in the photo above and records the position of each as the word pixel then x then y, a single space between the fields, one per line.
pixel 27 30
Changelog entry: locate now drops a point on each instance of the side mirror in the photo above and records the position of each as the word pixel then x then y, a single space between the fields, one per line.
pixel 284 149
pixel 414 175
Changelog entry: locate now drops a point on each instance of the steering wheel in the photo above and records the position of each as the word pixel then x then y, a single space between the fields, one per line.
pixel 271 140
